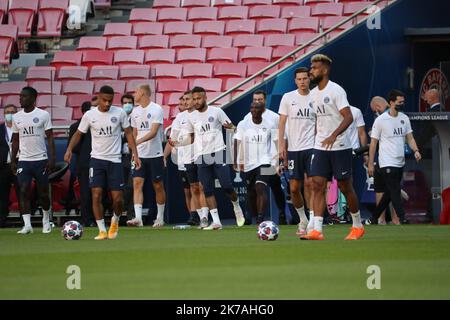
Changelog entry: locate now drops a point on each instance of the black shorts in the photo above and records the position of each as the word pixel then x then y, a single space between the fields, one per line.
pixel 330 164
pixel 184 179
pixel 379 185
pixel 105 174
pixel 264 174
pixel 299 164
pixel 150 167
pixel 27 170
pixel 192 172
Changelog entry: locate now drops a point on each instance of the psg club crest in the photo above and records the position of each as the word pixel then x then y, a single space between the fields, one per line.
pixel 149 115
pixel 326 100
pixel 402 121
pixel 211 119
pixel 113 119
pixel 36 120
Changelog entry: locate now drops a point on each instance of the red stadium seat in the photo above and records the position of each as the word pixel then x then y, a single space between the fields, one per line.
pixel 303 38
pixel 159 98
pixel 295 12
pixel 197 70
pixel 143 15
pixel 445 213
pixel 185 41
pixel 222 101
pixel 230 70
pixel 170 85
pixel 66 58
pixel 281 51
pixel 209 27
pixel 179 27
pixel 104 73
pixel 158 56
pixel 168 71
pixel 59 113
pixel 226 3
pixel 288 2
pixel 76 100
pixel 78 87
pixel 275 40
pixel 233 13
pixel 264 12
pixel 191 55
pixel 153 42
pixel 329 22
pixel 173 99
pixel 122 42
pixel 92 43
pixel 14 100
pixel 202 14
pixel 52 17
pixel 252 3
pixel 117 29
pixel 315 2
pixel 148 28
pixel 132 85
pixel 11 88
pixel 47 87
pixel 117 85
pixel 255 67
pixel 327 9
pixel 303 25
pixel 222 55
pixel 210 85
pixel 40 74
pixel 22 13
pixel 52 101
pixel 172 14
pixel 235 27
pixel 8 45
pixel 166 3
pixel 3 10
pixel 195 3
pixel 230 83
pixel 248 40
pixel 102 4
pixel 217 42
pixel 352 7
pixel 271 26
pixel 134 72
pixel 129 57
pixel 97 57
pixel 72 73
pixel 255 54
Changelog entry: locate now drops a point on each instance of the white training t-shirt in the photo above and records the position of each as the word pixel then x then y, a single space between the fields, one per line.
pixel 106 132
pixel 143 119
pixel 391 133
pixel 327 103
pixel 180 127
pixel 358 121
pixel 301 120
pixel 267 115
pixel 31 128
pixel 207 129
pixel 257 141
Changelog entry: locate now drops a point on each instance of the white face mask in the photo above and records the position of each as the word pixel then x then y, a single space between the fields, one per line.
pixel 8 117
pixel 128 107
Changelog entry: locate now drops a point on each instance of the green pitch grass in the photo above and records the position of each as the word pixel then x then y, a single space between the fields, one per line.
pixel 229 264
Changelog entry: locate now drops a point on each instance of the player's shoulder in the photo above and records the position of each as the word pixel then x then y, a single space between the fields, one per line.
pixel 154 106
pixel 290 94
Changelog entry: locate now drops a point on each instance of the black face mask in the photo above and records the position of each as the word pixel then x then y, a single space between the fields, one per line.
pixel 400 107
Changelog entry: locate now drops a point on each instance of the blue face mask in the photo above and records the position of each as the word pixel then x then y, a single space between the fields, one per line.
pixel 8 117
pixel 128 107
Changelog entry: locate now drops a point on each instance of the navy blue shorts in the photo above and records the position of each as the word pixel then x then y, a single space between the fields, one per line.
pixel 330 164
pixel 264 174
pixel 299 164
pixel 105 174
pixel 184 179
pixel 150 167
pixel 192 172
pixel 27 170
pixel 207 174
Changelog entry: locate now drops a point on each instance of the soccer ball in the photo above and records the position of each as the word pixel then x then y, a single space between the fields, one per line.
pixel 268 230
pixel 72 230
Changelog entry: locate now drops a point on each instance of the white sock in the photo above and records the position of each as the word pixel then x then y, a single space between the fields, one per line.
pixel 138 211
pixel 115 219
pixel 318 221
pixel 27 220
pixel 46 216
pixel 311 220
pixel 101 225
pixel 205 212
pixel 160 215
pixel 215 216
pixel 356 217
pixel 236 206
pixel 199 212
pixel 301 214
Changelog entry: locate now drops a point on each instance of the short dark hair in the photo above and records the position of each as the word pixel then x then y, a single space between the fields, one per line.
pixel 10 106
pixel 31 91
pixel 187 92
pixel 392 96
pixel 94 98
pixel 107 90
pixel 198 90
pixel 86 106
pixel 126 96
pixel 259 91
pixel 301 70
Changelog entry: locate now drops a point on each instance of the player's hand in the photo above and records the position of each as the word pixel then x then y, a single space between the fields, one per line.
pixel 137 162
pixel 68 156
pixel 229 125
pixel 14 167
pixel 328 142
pixel 279 170
pixel 165 162
pixel 417 155
pixel 171 142
pixel 371 169
pixel 366 160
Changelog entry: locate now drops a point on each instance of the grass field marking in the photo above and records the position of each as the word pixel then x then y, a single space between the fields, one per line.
pixel 73 281
pixel 374 280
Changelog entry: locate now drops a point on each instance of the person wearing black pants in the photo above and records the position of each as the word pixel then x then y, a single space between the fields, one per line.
pixel 391 129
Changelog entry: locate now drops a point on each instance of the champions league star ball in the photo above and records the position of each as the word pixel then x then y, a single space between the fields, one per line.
pixel 72 230
pixel 268 230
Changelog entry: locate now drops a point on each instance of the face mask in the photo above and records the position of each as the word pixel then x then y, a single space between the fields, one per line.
pixel 400 106
pixel 8 117
pixel 128 107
